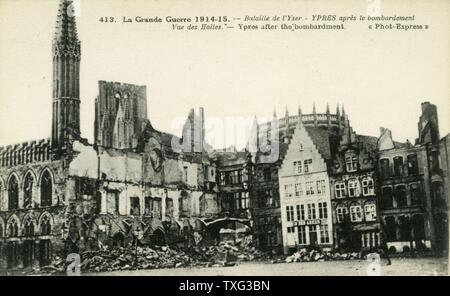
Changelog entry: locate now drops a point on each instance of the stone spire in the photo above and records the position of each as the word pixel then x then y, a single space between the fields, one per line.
pixel 66 75
pixel 328 109
pixel 66 27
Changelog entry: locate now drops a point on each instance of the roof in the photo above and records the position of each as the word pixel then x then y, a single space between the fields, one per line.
pixel 231 158
pixel 321 138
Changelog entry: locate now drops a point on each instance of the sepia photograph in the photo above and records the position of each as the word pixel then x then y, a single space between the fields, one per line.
pixel 224 138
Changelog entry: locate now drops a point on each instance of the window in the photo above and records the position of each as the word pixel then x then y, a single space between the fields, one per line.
pixel 413 168
pixel 13 194
pixel 222 179
pixel 184 203
pixel 298 167
pixel 342 212
pixel 298 189
pixel 416 194
pixel 236 177
pixel 386 198
pixel 308 164
pixel 367 186
pixel 355 213
pixel 351 163
pixel 28 191
pixel 385 168
pixel 112 202
pixel 169 207
pixel 290 213
pixel 267 174
pixel 320 186
pixel 301 235
pixel 311 211
pixel 46 189
pixel 323 211
pixel 309 188
pixel 324 234
pixel 241 200
pixel 46 227
pixel 13 228
pixel 301 212
pixel 291 229
pixel 405 228
pixel 370 212
pixel 135 207
pixel 288 190
pixel 340 190
pixel 148 206
pixel 398 166
pixel 28 227
pixel 353 188
pixel 400 196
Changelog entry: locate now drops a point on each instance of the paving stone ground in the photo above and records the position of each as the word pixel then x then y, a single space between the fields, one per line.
pixel 399 267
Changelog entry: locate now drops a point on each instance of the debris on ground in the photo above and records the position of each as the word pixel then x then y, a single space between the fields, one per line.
pixel 155 257
pixel 305 255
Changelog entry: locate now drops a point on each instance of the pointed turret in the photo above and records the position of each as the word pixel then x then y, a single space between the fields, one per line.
pixel 315 115
pixel 300 115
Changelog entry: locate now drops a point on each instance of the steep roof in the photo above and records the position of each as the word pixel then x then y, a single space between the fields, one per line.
pixel 321 138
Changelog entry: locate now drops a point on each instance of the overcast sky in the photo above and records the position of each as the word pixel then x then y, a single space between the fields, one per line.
pixel 380 76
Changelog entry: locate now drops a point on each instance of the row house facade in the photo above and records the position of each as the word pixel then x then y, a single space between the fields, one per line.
pixel 353 178
pixel 267 194
pixel 413 204
pixel 305 194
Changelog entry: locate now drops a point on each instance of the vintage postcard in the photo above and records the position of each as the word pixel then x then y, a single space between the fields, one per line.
pixel 224 138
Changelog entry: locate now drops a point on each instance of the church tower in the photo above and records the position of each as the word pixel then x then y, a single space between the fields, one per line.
pixel 66 75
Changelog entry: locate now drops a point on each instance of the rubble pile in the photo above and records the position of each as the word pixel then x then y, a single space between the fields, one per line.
pixel 130 258
pixel 229 252
pixel 305 255
pixel 145 257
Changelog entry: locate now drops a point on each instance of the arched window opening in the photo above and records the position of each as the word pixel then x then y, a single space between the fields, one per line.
pixel 342 212
pixel 398 166
pixel 353 188
pixel 367 186
pixel 355 213
pixel 13 228
pixel 13 194
pixel 28 227
pixel 46 190
pixel 28 191
pixel 386 198
pixel 400 196
pixel 351 162
pixel 370 211
pixel 46 226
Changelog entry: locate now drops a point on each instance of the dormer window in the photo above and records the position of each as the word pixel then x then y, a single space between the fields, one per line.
pixel 351 163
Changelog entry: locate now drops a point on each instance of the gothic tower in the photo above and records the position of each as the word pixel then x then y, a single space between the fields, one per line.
pixel 66 75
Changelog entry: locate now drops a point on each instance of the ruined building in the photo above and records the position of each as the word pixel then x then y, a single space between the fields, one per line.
pixel 63 194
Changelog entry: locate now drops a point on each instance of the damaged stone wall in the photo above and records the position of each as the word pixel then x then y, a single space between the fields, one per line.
pixel 122 187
